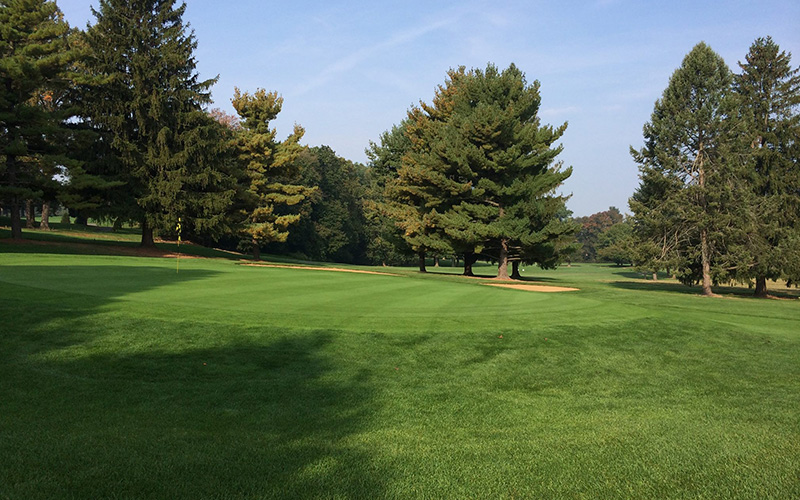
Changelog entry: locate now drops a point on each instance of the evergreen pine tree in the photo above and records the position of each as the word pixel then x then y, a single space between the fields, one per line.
pixel 685 144
pixel 142 93
pixel 769 93
pixel 270 180
pixel 34 55
pixel 480 147
pixel 385 239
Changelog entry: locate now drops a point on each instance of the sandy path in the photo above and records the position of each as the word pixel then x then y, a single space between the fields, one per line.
pixel 535 288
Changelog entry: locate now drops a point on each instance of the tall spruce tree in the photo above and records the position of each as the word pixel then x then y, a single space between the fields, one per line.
pixel 481 148
pixel 271 178
pixel 143 94
pixel 769 94
pixel 34 56
pixel 685 143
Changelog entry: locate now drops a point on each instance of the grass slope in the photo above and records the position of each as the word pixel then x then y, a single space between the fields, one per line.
pixel 120 378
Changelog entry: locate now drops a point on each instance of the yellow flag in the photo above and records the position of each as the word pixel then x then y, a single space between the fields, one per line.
pixel 178 253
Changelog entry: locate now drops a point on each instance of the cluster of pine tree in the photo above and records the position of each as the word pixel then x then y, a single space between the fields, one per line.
pixel 474 174
pixel 719 198
pixel 111 123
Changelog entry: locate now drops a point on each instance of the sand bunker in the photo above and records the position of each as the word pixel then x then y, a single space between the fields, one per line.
pixel 535 288
pixel 312 268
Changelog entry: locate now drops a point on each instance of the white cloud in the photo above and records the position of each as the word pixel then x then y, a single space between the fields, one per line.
pixel 563 112
pixel 354 59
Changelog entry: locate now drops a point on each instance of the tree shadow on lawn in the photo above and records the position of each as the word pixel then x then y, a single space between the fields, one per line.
pixel 736 291
pixel 272 420
pixel 259 414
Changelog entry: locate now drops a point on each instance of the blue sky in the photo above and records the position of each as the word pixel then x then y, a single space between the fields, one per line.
pixel 350 70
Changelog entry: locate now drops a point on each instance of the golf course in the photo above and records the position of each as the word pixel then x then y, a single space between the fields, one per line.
pixel 132 377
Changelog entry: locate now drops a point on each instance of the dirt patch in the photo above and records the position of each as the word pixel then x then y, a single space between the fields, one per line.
pixel 314 268
pixel 535 288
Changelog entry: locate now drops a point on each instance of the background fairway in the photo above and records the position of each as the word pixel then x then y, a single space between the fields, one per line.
pixel 120 378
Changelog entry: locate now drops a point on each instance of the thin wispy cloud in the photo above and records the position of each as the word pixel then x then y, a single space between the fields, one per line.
pixel 566 111
pixel 353 60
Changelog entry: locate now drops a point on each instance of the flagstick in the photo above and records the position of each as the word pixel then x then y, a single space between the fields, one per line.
pixel 178 253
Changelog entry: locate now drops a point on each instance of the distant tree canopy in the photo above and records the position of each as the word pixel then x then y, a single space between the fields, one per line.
pixel 591 229
pixel 332 223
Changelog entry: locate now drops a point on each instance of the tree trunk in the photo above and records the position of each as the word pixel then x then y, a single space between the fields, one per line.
pixel 761 287
pixel 435 261
pixel 16 220
pixel 706 263
pixel 147 235
pixel 469 259
pixel 502 264
pixel 705 251
pixel 515 271
pixel 422 262
pixel 30 214
pixel 256 250
pixel 45 216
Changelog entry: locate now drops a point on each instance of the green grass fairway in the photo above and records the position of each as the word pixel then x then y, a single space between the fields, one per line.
pixel 120 378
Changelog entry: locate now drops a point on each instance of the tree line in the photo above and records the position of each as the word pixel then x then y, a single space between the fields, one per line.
pixel 112 123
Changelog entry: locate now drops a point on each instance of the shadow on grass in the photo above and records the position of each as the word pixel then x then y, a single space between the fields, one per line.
pixel 696 290
pixel 86 244
pixel 169 409
pixel 268 420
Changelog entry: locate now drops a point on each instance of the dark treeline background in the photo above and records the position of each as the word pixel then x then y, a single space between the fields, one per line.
pixel 112 124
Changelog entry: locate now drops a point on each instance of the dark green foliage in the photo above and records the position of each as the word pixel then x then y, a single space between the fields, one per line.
pixel 769 95
pixel 386 244
pixel 479 175
pixel 142 93
pixel 269 171
pixel 686 142
pixel 332 223
pixel 34 56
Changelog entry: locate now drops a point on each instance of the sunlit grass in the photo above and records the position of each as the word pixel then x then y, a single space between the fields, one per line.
pixel 121 378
